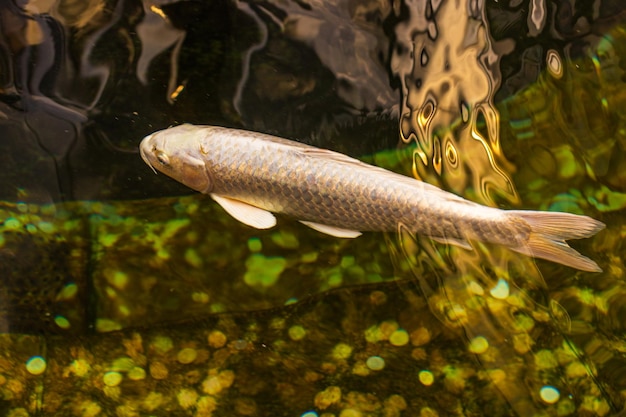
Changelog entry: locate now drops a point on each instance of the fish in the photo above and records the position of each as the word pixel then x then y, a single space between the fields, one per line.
pixel 253 176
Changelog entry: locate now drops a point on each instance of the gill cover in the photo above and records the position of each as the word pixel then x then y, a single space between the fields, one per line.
pixel 192 172
pixel 175 154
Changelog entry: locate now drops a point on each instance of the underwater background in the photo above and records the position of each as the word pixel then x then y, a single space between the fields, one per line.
pixel 123 293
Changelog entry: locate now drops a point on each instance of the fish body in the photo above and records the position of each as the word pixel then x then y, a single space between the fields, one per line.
pixel 253 175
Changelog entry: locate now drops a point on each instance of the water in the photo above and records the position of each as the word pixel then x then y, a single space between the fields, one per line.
pixel 125 294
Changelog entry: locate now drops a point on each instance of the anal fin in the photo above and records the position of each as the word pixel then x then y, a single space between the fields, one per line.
pixel 332 230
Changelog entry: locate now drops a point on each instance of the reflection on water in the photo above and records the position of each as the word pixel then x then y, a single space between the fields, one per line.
pixel 449 76
pixel 166 306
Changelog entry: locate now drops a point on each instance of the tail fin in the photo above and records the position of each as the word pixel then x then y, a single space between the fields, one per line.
pixel 550 230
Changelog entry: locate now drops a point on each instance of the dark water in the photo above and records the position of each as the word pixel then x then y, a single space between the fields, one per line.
pixel 124 294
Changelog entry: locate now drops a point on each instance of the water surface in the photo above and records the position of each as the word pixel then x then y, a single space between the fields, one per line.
pixel 124 293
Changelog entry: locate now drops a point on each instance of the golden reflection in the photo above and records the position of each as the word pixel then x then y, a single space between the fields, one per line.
pixel 488 292
pixel 157 10
pixel 425 115
pixel 494 179
pixel 465 112
pixel 177 91
pixel 451 154
pixel 451 95
pixel 39 6
pixel 420 159
pixel 554 64
pixel 33 33
pixel 81 13
pixel 437 155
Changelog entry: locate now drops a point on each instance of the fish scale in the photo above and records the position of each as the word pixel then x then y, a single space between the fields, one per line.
pixel 253 174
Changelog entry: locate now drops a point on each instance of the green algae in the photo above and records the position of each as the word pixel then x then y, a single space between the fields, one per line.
pixel 255 244
pixel 607 200
pixel 193 258
pixel 62 322
pixel 263 271
pixel 285 239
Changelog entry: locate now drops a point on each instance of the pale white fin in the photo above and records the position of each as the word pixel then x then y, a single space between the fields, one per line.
pixel 450 241
pixel 332 230
pixel 549 230
pixel 246 213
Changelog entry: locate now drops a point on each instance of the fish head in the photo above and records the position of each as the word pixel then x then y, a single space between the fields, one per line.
pixel 176 153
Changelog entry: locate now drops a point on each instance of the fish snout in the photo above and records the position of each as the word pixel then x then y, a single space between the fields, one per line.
pixel 145 149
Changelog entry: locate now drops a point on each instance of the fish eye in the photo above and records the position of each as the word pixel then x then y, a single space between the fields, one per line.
pixel 162 158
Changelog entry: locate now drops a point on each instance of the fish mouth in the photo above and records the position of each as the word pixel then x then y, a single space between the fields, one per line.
pixel 144 154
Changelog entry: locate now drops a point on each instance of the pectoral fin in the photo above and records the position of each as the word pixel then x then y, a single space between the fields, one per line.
pixel 245 213
pixel 332 230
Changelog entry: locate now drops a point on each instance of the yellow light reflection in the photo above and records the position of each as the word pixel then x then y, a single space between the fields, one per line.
pixel 158 10
pixel 176 92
